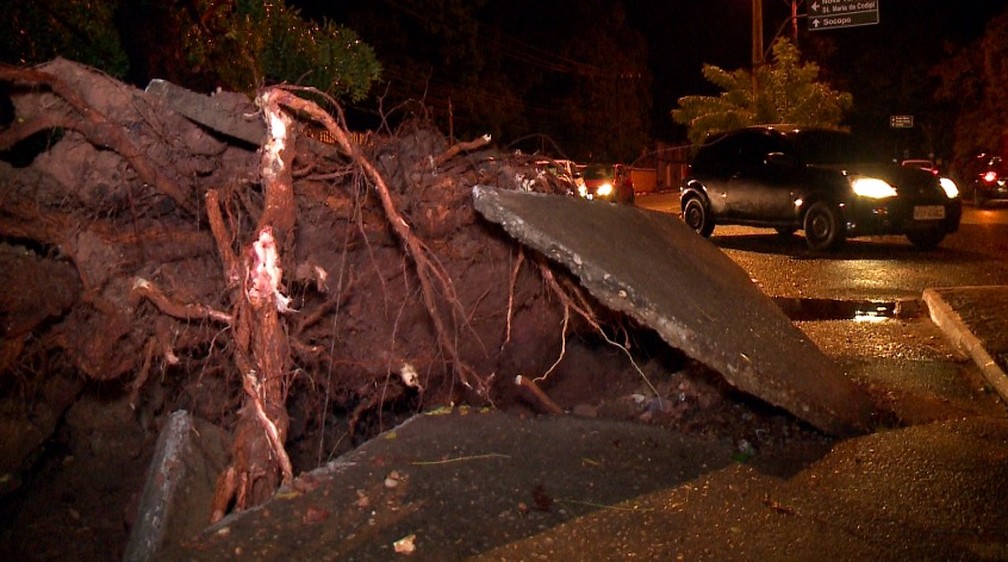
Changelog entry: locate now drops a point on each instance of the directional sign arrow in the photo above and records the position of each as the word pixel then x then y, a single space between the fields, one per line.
pixel 835 14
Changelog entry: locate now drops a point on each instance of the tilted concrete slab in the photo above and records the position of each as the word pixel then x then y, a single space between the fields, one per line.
pixel 652 267
pixel 181 481
pixel 221 112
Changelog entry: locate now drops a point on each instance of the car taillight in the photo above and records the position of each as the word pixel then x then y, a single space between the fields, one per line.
pixel 990 177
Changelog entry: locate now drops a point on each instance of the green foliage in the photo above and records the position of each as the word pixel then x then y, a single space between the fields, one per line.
pixel 792 94
pixel 81 30
pixel 257 42
pixel 734 108
pixel 236 44
pixel 572 71
pixel 787 91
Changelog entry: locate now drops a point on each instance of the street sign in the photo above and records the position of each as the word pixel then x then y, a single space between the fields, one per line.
pixel 834 14
pixel 901 121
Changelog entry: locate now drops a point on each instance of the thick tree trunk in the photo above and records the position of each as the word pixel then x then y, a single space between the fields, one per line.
pixel 260 462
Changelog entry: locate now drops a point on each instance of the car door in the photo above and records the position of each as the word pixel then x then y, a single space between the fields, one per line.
pixel 762 187
pixel 714 166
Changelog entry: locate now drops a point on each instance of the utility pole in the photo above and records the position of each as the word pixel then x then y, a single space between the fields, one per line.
pixel 794 21
pixel 757 42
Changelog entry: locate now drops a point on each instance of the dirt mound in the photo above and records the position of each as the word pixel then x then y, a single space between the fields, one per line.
pixel 138 241
pixel 303 293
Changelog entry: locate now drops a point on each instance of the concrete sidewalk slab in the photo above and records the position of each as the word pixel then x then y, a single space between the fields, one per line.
pixel 930 492
pixel 975 319
pixel 489 486
pixel 457 483
pixel 181 480
pixel 652 267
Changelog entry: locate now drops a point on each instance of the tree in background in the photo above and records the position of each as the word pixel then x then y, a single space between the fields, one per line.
pixel 975 81
pixel 34 32
pixel 788 92
pixel 575 73
pixel 608 99
pixel 201 44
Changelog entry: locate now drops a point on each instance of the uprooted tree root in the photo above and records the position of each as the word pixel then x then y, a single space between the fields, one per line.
pixel 356 271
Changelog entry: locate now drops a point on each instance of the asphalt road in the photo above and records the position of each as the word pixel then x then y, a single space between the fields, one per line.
pixel 869 268
pixel 900 348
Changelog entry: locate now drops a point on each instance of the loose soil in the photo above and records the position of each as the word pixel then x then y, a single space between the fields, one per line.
pixel 138 282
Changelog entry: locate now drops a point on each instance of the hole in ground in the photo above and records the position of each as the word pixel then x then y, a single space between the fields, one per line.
pixel 800 309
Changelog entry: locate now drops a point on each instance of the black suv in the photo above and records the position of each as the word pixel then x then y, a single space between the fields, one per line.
pixel 822 181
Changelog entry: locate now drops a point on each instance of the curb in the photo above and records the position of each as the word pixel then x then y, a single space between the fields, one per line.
pixel 951 323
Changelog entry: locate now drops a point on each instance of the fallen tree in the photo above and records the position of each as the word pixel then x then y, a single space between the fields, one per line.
pixel 317 271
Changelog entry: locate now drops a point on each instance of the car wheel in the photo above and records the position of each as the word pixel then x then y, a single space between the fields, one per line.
pixel 926 239
pixel 785 231
pixel 697 216
pixel 823 227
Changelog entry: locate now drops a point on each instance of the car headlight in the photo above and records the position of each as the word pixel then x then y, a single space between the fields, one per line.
pixel 950 187
pixel 604 190
pixel 872 188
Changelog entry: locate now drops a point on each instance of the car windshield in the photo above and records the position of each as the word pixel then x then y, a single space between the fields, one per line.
pixel 832 147
pixel 598 172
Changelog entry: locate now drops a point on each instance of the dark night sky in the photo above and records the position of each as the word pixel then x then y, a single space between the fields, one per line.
pixel 908 41
pixel 682 35
pixel 685 34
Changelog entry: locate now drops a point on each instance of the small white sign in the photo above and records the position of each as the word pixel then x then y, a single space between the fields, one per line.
pixel 901 121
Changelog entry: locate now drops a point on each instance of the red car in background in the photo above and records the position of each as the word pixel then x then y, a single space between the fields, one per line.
pixel 991 181
pixel 608 182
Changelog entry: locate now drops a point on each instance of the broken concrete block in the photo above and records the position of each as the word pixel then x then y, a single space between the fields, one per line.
pixel 178 493
pixel 652 267
pixel 229 113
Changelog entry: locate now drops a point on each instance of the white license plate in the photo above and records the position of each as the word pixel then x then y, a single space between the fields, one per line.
pixel 929 212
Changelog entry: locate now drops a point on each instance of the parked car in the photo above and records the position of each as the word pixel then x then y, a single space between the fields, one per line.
pixel 991 181
pixel 608 182
pixel 824 182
